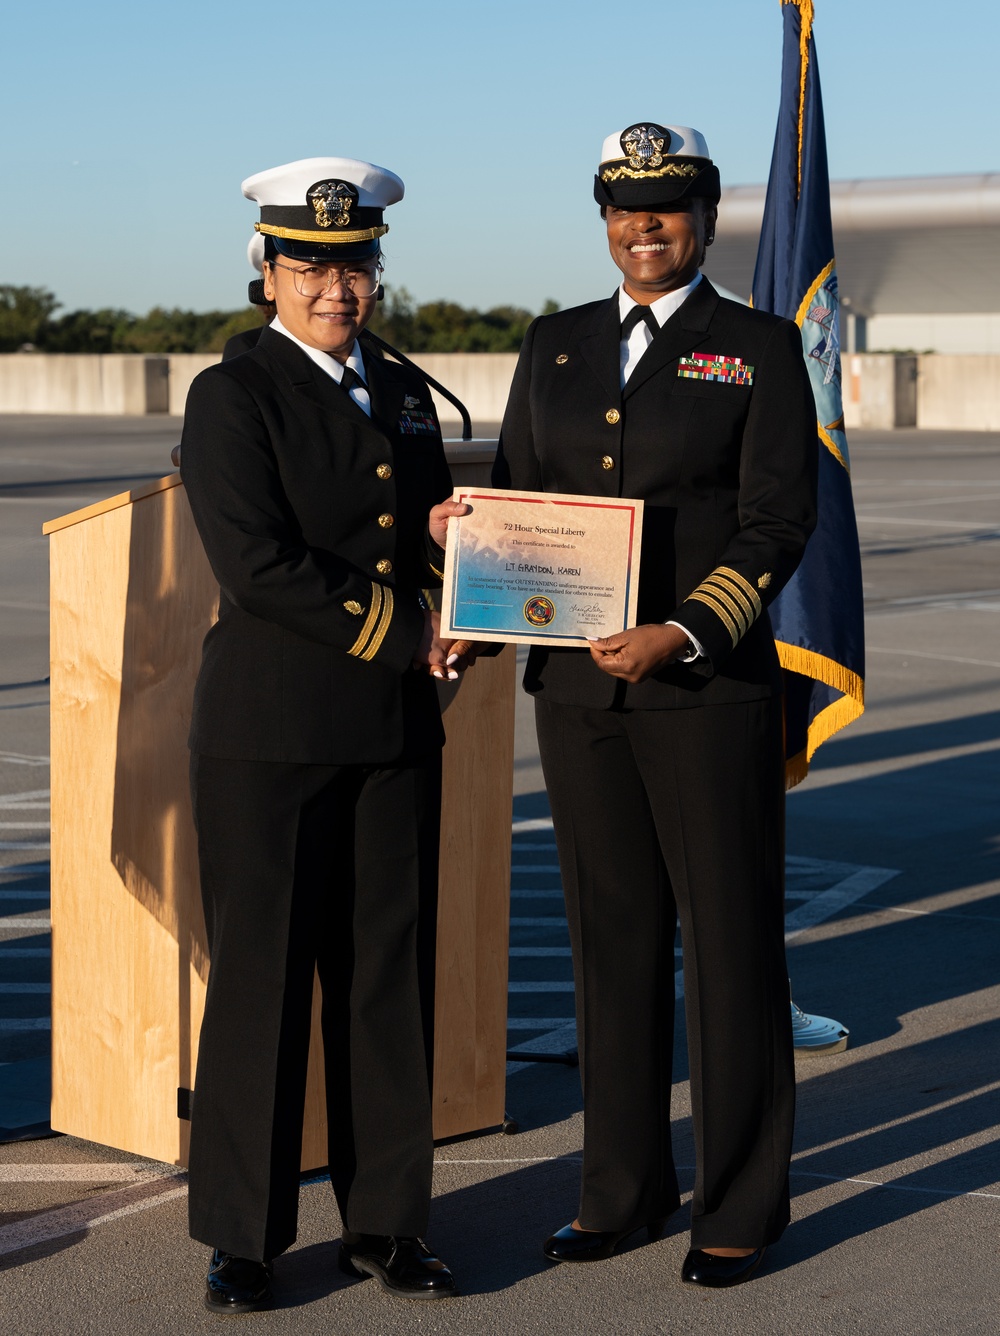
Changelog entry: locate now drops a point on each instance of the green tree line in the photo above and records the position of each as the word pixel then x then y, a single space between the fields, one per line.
pixel 29 321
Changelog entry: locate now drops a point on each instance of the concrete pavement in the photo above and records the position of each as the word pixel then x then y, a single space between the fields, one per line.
pixel 895 869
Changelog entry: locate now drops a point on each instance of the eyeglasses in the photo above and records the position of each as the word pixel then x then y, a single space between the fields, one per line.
pixel 316 280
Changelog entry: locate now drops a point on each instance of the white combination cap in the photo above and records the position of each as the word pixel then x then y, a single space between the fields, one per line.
pixel 648 164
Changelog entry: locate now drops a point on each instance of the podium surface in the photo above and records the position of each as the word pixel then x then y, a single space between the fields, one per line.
pixel 132 596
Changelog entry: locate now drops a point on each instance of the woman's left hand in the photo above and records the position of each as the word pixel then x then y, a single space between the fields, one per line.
pixel 437 520
pixel 462 654
pixel 639 652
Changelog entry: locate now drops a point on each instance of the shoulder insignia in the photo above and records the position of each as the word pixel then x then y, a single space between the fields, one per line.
pixel 764 580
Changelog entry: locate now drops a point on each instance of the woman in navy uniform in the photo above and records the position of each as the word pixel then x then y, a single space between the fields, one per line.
pixel 662 745
pixel 317 479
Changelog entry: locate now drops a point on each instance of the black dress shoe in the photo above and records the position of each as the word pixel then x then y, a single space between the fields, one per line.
pixel 592 1245
pixel 402 1266
pixel 236 1284
pixel 702 1268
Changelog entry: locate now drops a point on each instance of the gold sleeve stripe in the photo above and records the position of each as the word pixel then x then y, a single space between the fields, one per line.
pixel 370 620
pixel 383 625
pixel 439 574
pixel 747 611
pixel 734 605
pixel 743 584
pixel 705 596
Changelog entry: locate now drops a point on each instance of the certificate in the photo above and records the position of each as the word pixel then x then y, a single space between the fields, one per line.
pixel 540 568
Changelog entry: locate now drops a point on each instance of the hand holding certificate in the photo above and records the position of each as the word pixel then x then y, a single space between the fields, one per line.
pixel 541 568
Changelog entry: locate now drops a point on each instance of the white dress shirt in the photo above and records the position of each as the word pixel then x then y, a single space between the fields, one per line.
pixel 642 336
pixel 328 363
pixel 632 350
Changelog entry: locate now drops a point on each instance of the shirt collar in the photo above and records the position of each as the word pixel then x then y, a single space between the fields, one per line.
pixel 323 360
pixel 664 307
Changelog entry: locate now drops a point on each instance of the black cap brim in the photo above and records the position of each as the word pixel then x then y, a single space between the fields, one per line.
pixel 628 190
pixel 316 251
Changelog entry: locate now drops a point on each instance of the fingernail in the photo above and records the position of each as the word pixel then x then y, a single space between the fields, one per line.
pixel 435 673
pixel 453 676
pixel 452 658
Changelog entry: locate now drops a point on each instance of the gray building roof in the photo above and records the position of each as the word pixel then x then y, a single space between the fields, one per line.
pixel 913 244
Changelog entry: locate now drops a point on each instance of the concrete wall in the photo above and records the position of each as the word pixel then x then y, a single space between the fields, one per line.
pixel 881 390
pixel 959 393
pixel 944 391
pixel 480 380
pixel 183 369
pixel 111 383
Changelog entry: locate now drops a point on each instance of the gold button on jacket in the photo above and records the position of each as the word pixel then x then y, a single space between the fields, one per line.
pixel 384 471
pixel 613 416
pixel 384 567
pixel 386 521
pixel 607 462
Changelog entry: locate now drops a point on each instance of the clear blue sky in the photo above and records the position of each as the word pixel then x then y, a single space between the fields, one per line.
pixel 129 126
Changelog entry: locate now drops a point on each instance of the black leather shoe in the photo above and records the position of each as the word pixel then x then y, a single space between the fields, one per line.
pixel 237 1285
pixel 592 1245
pixel 702 1268
pixel 402 1266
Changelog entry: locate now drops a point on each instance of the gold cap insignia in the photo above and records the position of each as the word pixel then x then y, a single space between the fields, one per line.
pixel 764 580
pixel 332 202
pixel 643 145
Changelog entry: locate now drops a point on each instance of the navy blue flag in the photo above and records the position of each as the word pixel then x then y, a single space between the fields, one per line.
pixel 818 619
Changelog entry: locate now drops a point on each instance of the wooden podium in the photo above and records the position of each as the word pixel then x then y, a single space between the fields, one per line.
pixel 132 596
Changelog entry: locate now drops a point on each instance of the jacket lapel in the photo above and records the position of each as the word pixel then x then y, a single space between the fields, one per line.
pixel 601 349
pixel 387 391
pixel 686 329
pixel 307 378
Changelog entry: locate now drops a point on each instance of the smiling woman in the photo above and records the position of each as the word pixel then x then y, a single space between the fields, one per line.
pixel 317 479
pixel 662 745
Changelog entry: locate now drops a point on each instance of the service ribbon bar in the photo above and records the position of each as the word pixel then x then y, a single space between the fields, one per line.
pixel 705 366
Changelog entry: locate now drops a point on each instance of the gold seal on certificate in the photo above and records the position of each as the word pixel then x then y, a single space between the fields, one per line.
pixel 540 568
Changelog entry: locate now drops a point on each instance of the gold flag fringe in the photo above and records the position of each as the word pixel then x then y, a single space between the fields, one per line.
pixel 805 8
pixel 837 715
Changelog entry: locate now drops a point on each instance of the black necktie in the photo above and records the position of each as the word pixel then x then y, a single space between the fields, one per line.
pixel 350 380
pixel 636 314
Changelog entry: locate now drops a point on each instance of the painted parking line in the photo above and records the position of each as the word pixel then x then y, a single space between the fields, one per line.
pixel 12 845
pixel 10 924
pixel 536 1022
pixel 531 951
pixel 813 907
pixel 83 1216
pixel 101 1172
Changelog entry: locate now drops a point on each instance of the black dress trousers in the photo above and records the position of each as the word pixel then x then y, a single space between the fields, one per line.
pixel 333 867
pixel 660 814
